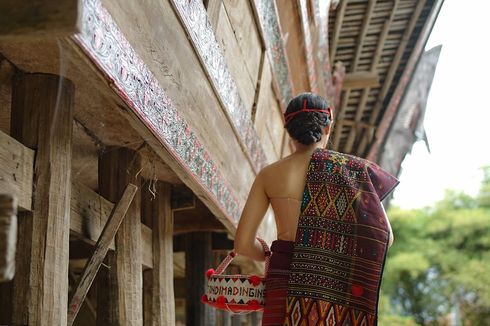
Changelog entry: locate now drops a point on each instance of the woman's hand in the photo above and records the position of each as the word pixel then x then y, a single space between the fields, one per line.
pixel 255 208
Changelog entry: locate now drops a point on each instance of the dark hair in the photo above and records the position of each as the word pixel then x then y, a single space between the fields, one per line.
pixel 307 127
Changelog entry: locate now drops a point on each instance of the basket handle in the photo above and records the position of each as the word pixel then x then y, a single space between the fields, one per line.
pixel 224 264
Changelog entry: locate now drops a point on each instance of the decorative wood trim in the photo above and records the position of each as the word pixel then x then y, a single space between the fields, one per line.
pixel 404 80
pixel 310 62
pixel 103 42
pixel 194 18
pixel 266 11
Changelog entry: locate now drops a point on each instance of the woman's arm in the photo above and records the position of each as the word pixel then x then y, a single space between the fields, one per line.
pixel 392 238
pixel 255 208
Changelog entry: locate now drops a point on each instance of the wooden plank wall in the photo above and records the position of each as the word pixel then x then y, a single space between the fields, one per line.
pixel 237 32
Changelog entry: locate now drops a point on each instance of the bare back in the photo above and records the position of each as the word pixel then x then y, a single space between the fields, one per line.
pixel 284 183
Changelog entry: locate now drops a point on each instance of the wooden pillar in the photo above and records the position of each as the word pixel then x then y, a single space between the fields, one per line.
pixel 198 259
pixel 107 293
pixel 8 236
pixel 147 296
pixel 156 208
pixel 8 240
pixel 120 299
pixel 42 118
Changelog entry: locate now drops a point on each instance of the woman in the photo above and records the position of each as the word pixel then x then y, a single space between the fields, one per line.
pixel 332 231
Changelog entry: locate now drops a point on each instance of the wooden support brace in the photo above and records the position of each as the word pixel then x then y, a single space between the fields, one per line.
pixel 121 293
pixel 8 236
pixel 100 251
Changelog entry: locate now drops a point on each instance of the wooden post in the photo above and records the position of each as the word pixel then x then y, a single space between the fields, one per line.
pixel 198 259
pixel 148 297
pixel 42 118
pixel 8 236
pixel 8 240
pixel 100 251
pixel 120 300
pixel 157 209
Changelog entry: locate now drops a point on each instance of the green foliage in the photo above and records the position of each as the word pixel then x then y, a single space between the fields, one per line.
pixel 484 195
pixel 440 262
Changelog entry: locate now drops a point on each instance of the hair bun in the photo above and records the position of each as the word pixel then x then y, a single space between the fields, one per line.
pixel 306 132
pixel 307 127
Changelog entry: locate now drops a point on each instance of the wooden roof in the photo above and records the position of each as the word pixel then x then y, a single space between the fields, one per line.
pixel 378 42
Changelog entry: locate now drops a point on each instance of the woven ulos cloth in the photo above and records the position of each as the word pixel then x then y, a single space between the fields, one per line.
pixel 338 256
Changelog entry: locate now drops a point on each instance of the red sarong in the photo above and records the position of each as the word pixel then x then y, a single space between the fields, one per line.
pixel 276 283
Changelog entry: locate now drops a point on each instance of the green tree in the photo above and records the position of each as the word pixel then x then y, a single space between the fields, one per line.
pixel 484 194
pixel 439 265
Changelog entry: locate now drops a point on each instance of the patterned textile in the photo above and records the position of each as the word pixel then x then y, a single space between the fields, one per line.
pixel 341 243
pixel 276 282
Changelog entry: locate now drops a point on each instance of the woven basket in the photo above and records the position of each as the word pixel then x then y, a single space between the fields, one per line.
pixel 236 293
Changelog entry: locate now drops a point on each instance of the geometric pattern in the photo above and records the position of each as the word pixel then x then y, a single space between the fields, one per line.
pixel 268 19
pixel 306 311
pixel 195 21
pixel 103 42
pixel 341 242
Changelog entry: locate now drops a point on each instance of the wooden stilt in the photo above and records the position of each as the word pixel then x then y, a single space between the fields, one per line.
pixel 148 297
pixel 8 240
pixel 8 236
pixel 157 207
pixel 123 304
pixel 100 252
pixel 107 294
pixel 198 258
pixel 42 118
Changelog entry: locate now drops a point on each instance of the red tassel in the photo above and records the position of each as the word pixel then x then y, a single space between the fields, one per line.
pixel 221 300
pixel 209 272
pixel 255 280
pixel 253 304
pixel 204 298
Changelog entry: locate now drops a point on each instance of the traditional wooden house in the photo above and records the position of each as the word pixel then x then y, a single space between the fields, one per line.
pixel 131 132
pixel 408 125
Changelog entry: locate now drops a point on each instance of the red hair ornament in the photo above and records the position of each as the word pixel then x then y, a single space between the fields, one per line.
pixel 289 116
